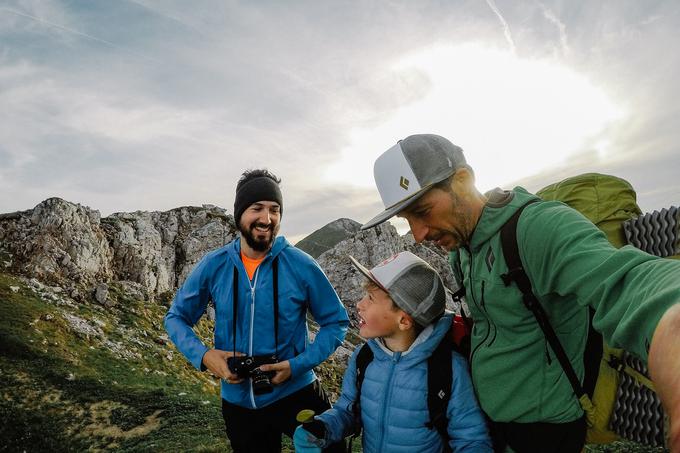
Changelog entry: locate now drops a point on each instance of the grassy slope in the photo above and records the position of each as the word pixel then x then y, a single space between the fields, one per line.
pixel 61 390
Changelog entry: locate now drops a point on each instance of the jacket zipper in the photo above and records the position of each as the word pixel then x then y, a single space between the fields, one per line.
pixel 481 310
pixel 253 285
pixel 488 316
pixel 388 396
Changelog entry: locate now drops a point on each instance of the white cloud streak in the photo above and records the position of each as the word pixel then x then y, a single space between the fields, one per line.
pixel 504 23
pixel 561 27
pixel 79 33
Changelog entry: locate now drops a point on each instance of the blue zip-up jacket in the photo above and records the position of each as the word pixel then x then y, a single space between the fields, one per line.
pixel 302 286
pixel 394 407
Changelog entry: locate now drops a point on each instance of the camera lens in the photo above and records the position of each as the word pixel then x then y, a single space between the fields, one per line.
pixel 261 382
pixel 237 366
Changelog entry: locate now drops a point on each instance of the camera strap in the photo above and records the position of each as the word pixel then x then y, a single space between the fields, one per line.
pixel 234 291
pixel 275 272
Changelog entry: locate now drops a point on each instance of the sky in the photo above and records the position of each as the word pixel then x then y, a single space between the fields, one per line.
pixel 133 105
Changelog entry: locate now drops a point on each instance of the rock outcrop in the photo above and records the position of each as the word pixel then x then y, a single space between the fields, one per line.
pixel 57 242
pixel 159 249
pixel 149 252
pixel 370 247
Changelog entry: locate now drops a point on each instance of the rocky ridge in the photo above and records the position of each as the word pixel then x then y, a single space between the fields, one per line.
pixel 328 236
pixel 147 255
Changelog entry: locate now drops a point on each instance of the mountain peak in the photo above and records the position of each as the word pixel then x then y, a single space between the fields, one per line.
pixel 328 236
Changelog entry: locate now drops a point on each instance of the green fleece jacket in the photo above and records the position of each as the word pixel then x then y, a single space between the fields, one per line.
pixel 571 265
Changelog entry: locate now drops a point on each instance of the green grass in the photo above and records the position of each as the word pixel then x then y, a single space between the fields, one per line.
pixel 65 391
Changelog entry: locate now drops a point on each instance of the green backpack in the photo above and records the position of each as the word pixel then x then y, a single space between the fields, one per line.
pixel 608 202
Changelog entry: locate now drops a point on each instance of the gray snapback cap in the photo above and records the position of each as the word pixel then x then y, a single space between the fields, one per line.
pixel 413 285
pixel 407 170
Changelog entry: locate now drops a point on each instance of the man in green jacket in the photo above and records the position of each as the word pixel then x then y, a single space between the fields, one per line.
pixel 521 386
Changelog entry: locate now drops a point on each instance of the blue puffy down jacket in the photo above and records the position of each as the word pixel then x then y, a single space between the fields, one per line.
pixel 394 407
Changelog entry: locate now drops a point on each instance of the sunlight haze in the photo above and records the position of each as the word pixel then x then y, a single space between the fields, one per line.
pixel 484 100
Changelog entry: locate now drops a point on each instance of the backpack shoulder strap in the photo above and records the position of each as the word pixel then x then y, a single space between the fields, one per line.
pixel 517 274
pixel 439 380
pixel 364 358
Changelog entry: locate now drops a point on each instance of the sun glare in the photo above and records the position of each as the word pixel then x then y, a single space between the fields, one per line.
pixel 513 117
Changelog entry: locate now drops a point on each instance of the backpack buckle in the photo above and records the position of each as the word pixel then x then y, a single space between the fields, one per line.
pixel 616 363
pixel 511 276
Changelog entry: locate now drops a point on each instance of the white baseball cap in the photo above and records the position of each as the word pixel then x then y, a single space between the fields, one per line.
pixel 407 170
pixel 413 285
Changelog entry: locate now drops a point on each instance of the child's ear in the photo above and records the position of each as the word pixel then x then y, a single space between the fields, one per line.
pixel 406 322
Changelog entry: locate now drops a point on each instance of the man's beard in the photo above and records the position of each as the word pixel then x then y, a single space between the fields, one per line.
pixel 463 233
pixel 259 245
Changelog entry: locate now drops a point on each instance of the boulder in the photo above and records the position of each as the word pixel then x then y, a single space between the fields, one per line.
pixel 370 247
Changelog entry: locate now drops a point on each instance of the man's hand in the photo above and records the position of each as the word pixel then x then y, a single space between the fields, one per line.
pixel 664 367
pixel 282 371
pixel 215 360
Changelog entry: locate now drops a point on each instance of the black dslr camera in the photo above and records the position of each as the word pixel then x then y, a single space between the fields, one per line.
pixel 248 367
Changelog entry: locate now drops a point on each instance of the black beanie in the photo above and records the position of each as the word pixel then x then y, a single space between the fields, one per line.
pixel 257 189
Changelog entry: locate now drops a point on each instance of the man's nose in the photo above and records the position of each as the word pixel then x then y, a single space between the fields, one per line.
pixel 418 229
pixel 361 303
pixel 265 217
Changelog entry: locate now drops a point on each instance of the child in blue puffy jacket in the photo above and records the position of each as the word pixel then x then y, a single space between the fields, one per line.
pixel 402 317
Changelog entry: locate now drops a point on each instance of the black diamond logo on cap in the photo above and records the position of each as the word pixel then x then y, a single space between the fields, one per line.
pixel 403 182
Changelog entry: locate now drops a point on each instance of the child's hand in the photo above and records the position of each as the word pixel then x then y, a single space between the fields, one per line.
pixel 306 442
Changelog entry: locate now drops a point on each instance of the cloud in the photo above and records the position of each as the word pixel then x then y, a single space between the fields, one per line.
pixel 75 32
pixel 145 105
pixel 504 23
pixel 561 27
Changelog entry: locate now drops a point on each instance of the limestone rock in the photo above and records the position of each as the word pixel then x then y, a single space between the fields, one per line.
pixel 63 243
pixel 57 241
pixel 101 294
pixel 159 249
pixel 370 247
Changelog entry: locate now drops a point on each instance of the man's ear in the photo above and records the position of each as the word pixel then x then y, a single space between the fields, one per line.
pixel 406 321
pixel 463 178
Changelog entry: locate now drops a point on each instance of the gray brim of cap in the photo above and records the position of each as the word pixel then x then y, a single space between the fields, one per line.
pixel 366 273
pixel 395 209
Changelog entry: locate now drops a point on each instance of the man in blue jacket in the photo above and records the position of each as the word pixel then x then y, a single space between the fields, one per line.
pixel 262 287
